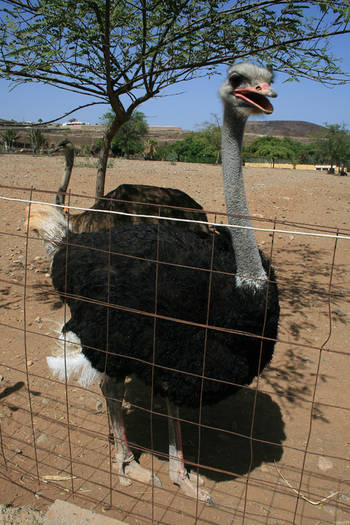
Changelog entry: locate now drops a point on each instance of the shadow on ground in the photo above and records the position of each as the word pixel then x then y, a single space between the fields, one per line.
pixel 308 282
pixel 226 448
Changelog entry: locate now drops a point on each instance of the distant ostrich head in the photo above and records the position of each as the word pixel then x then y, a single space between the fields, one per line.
pixel 63 146
pixel 68 150
pixel 247 88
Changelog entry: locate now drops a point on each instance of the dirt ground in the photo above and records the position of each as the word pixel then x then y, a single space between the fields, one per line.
pixel 291 466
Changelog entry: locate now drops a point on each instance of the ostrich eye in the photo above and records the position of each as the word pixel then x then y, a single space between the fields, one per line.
pixel 237 80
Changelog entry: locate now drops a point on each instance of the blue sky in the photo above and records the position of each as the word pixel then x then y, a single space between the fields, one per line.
pixel 196 101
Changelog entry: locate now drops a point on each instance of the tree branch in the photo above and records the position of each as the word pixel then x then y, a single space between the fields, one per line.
pixel 40 124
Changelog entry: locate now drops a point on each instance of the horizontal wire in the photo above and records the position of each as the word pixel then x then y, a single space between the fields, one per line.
pixel 270 230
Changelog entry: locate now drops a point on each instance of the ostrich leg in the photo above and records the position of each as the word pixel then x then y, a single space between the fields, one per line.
pixel 177 470
pixel 128 467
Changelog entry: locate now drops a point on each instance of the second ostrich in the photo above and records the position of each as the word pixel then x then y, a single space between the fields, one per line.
pixel 182 311
pixel 138 199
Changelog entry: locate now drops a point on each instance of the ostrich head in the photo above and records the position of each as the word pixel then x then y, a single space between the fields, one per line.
pixel 63 146
pixel 243 93
pixel 68 150
pixel 247 88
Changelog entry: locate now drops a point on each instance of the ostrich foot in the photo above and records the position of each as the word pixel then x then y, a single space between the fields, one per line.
pixel 196 478
pixel 188 485
pixel 134 471
pixel 124 480
pixel 119 466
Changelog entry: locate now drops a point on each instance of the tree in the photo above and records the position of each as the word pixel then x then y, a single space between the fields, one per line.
pixel 150 149
pixel 334 146
pixel 8 137
pixel 272 148
pixel 124 53
pixel 37 140
pixel 128 139
pixel 307 153
pixel 194 148
pixel 211 134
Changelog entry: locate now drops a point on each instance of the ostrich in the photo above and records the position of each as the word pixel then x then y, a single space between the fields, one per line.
pixel 67 147
pixel 182 311
pixel 130 198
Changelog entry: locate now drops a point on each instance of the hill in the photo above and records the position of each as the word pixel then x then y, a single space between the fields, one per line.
pixel 88 135
pixel 295 129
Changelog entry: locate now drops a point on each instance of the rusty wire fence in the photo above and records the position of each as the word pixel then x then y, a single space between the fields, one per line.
pixel 277 452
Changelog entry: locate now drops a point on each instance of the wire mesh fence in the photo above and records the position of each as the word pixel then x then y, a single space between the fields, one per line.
pixel 275 452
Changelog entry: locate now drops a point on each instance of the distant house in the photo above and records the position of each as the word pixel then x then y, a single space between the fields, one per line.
pixel 322 167
pixel 75 123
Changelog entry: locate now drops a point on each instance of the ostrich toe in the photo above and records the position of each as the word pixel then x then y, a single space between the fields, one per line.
pixel 196 478
pixel 191 489
pixel 135 471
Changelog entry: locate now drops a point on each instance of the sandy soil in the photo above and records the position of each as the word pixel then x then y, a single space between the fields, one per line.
pixel 295 469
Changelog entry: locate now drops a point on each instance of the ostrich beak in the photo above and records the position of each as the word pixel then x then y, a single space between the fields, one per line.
pixel 257 96
pixel 55 150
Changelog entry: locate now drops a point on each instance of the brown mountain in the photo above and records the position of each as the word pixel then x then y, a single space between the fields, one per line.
pixel 88 135
pixel 295 129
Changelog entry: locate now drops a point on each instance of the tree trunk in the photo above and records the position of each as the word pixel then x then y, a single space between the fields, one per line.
pixel 104 153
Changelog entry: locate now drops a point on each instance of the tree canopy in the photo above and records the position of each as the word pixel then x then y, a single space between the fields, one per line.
pixel 129 138
pixel 334 146
pixel 8 137
pixel 124 53
pixel 199 146
pixel 272 148
pixel 37 140
pixel 331 147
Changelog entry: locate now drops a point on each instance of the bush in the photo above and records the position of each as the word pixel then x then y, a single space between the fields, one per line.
pixel 192 149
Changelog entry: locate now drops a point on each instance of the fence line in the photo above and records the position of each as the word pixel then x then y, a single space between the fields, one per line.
pixel 160 217
pixel 259 452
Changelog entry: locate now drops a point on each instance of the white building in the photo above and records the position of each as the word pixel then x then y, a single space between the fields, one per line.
pixel 75 123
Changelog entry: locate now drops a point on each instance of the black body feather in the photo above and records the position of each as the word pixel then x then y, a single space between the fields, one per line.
pixel 122 340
